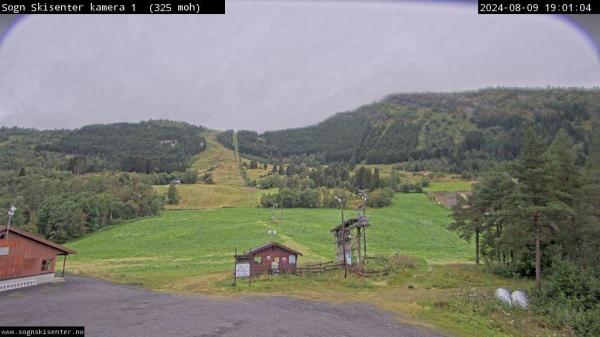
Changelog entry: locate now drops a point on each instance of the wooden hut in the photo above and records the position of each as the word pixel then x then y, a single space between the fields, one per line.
pixel 27 259
pixel 270 258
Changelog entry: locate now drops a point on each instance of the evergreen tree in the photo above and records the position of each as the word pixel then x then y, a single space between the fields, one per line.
pixel 536 208
pixel 589 204
pixel 466 222
pixel 172 195
pixel 375 180
pixel 568 176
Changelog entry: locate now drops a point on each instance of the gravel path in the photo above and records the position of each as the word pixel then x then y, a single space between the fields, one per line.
pixel 107 309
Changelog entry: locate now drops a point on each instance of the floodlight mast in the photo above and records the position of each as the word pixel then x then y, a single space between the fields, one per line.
pixel 11 212
pixel 364 196
pixel 341 201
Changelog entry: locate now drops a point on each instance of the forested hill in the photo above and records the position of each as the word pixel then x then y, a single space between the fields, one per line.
pixel 458 131
pixel 156 145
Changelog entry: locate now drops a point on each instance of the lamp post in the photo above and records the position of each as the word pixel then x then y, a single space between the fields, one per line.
pixel 341 201
pixel 11 212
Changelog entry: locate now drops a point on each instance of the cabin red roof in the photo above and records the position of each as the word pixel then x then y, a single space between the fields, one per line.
pixel 269 245
pixel 37 238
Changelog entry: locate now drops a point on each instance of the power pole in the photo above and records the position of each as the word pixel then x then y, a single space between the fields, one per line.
pixel 341 201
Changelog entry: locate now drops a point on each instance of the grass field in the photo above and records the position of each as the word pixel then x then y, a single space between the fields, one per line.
pixel 228 190
pixel 220 161
pixel 190 248
pixel 200 196
pixel 203 241
pixel 191 251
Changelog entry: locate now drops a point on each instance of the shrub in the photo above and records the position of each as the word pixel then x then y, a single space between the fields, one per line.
pixel 380 198
pixel 570 296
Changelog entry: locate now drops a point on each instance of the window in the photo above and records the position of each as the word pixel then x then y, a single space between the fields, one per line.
pixel 46 265
pixel 257 259
pixel 4 250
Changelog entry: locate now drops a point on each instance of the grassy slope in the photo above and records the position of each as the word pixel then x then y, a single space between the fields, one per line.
pixel 191 251
pixel 203 241
pixel 229 189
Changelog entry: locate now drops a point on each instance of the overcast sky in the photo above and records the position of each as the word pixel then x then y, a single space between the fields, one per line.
pixel 271 65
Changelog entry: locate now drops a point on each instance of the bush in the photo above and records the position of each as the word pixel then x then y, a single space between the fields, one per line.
pixel 208 179
pixel 268 182
pixel 380 198
pixel 570 297
pixel 406 188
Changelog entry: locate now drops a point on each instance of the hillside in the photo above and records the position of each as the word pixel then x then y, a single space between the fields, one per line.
pixel 228 188
pixel 458 131
pixel 150 146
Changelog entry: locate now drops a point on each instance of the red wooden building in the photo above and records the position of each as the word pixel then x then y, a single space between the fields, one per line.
pixel 271 258
pixel 27 259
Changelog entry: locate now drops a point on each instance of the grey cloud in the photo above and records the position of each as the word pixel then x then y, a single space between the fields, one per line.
pixel 269 65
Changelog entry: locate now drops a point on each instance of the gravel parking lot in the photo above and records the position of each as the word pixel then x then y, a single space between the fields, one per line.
pixel 107 309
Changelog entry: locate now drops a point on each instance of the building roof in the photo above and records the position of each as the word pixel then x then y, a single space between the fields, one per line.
pixel 39 239
pixel 269 245
pixel 361 221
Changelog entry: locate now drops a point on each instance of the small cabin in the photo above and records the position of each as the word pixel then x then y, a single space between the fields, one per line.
pixel 271 258
pixel 27 259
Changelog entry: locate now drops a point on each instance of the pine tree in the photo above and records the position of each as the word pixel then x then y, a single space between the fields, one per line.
pixel 536 206
pixel 172 195
pixel 568 176
pixel 589 203
pixel 375 180
pixel 566 172
pixel 467 222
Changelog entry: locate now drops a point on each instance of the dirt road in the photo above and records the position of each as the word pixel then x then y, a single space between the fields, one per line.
pixel 107 309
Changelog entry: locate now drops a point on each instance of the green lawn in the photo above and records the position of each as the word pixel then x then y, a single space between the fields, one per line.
pixel 191 251
pixel 157 251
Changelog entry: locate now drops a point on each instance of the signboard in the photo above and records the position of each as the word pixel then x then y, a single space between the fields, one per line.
pixel 242 269
pixel 4 250
pixel 349 258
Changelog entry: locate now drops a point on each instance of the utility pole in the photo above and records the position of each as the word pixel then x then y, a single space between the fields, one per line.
pixel 273 205
pixel 364 196
pixel 341 202
pixel 11 213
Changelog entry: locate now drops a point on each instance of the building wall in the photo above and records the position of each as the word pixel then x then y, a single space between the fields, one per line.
pixel 25 257
pixel 28 281
pixel 267 257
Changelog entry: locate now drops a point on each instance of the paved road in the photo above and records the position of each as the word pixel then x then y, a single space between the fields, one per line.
pixel 106 309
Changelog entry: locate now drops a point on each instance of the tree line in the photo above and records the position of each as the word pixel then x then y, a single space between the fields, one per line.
pixel 63 207
pixel 539 216
pixel 466 133
pixel 145 147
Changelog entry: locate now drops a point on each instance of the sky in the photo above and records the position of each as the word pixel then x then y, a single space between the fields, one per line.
pixel 273 64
